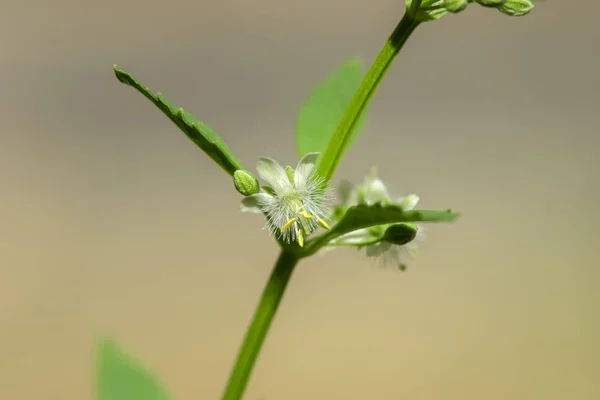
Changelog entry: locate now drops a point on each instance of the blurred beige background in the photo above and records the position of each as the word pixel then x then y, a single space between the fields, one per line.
pixel 110 217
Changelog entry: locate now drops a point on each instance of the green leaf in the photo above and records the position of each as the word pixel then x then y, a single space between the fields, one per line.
pixel 200 133
pixel 363 216
pixel 322 112
pixel 120 377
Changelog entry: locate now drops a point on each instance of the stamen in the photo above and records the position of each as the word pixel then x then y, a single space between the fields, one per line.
pixel 300 238
pixel 288 224
pixel 324 224
pixel 306 215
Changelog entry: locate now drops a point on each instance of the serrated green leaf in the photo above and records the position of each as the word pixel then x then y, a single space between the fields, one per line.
pixel 363 216
pixel 199 132
pixel 322 112
pixel 120 377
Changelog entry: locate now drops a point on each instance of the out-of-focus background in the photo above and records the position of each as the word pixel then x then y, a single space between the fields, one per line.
pixel 112 223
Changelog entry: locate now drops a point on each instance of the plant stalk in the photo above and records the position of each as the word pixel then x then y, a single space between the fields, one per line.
pixel 329 161
pixel 275 288
pixel 259 327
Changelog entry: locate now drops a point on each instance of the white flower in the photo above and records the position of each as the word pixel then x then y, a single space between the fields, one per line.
pixel 295 202
pixel 372 192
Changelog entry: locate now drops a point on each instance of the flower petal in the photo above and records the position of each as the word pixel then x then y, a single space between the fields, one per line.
pixel 256 203
pixel 273 174
pixel 377 250
pixel 409 202
pixel 304 168
pixel 376 192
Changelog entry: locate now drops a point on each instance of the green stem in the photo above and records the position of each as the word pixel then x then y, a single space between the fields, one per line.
pixel 331 158
pixel 261 322
pixel 273 292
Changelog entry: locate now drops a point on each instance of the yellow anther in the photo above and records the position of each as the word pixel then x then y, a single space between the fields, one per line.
pixel 306 215
pixel 288 224
pixel 324 224
pixel 300 238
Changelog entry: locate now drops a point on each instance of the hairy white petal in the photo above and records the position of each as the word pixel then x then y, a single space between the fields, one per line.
pixel 303 170
pixel 273 174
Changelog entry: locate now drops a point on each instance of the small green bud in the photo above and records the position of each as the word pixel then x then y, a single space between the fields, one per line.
pixel 400 234
pixel 516 8
pixel 245 182
pixel 435 9
pixel 455 6
pixel 491 3
pixel 429 10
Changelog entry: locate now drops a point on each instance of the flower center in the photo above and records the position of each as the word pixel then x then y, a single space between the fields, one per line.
pixel 300 220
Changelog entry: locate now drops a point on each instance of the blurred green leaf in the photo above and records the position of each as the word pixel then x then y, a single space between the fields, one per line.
pixel 120 377
pixel 362 216
pixel 322 112
pixel 200 133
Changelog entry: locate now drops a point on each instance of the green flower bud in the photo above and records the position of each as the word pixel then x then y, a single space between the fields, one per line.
pixel 491 3
pixel 455 6
pixel 245 182
pixel 400 234
pixel 516 8
pixel 435 9
pixel 429 10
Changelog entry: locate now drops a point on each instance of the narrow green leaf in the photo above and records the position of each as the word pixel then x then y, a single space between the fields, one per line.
pixel 362 216
pixel 200 133
pixel 120 377
pixel 322 112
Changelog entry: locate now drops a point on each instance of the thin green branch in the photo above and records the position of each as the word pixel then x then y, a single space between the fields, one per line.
pixel 284 267
pixel 259 327
pixel 329 161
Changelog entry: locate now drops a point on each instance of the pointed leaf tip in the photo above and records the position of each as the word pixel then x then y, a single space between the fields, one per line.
pixel 198 132
pixel 122 76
